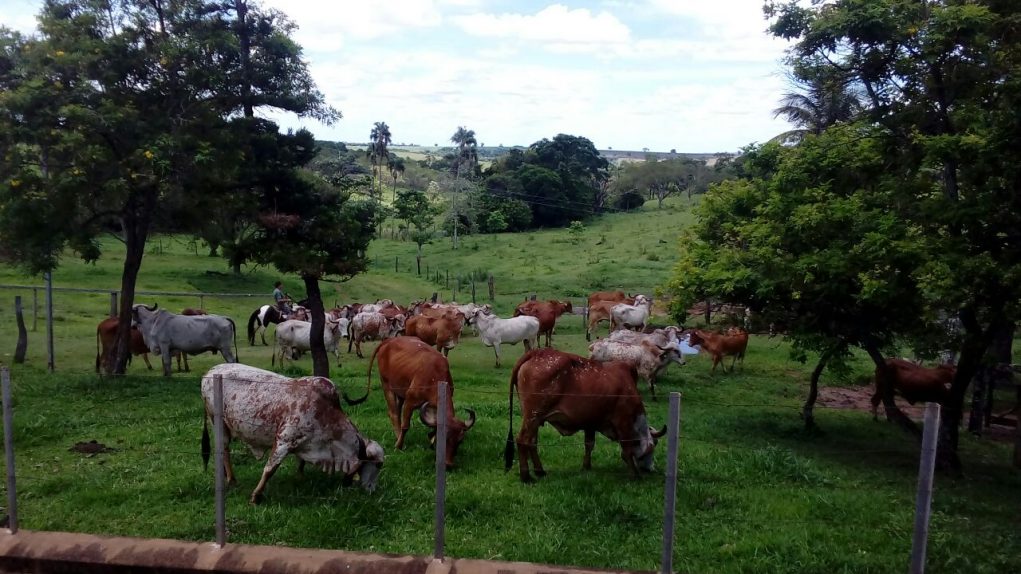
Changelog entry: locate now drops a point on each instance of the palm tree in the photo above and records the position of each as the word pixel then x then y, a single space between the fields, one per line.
pixel 467 151
pixel 395 164
pixel 380 138
pixel 818 101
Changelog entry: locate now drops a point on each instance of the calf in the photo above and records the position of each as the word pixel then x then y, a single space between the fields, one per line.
pixel 493 330
pixel 442 332
pixel 718 345
pixel 573 394
pixel 370 325
pixel 913 382
pixel 597 313
pixel 296 336
pixel 270 412
pixel 547 312
pixel 647 357
pixel 410 372
pixel 106 342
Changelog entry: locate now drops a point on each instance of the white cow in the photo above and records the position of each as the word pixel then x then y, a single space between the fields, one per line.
pixel 494 330
pixel 647 357
pixel 166 333
pixel 660 337
pixel 296 336
pixel 271 412
pixel 624 316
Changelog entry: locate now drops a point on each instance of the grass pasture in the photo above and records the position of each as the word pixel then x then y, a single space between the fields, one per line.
pixel 755 493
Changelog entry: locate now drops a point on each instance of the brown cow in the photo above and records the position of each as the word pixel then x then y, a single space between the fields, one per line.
pixel 614 296
pixel 410 372
pixel 574 394
pixel 719 345
pixel 546 312
pixel 442 332
pixel 106 341
pixel 913 382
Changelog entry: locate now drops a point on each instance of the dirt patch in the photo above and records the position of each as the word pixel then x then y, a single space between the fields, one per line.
pixel 91 448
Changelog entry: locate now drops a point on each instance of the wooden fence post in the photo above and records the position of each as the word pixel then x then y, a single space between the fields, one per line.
pixel 114 312
pixel 395 264
pixel 12 499
pixel 492 289
pixel 446 284
pixel 473 290
pixel 50 363
pixel 435 296
pixel 221 500
pixel 531 297
pixel 670 492
pixel 923 494
pixel 22 345
pixel 441 471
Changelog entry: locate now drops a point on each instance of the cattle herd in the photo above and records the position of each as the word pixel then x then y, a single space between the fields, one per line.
pixel 281 415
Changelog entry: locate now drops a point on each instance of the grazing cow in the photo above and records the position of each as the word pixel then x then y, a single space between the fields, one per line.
pixel 624 316
pixel 647 357
pixel 546 312
pixel 661 336
pixel 719 345
pixel 367 326
pixel 271 412
pixel 106 342
pixel 442 332
pixel 410 372
pixel 164 333
pixel 574 394
pixel 913 382
pixel 599 305
pixel 493 330
pixel 296 337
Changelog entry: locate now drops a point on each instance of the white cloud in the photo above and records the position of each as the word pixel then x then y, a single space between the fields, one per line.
pixel 556 25
pixel 324 25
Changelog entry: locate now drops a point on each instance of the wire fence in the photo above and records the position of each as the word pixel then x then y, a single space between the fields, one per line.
pixel 243 421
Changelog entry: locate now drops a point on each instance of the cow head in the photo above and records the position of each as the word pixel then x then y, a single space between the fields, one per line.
pixel 456 429
pixel 644 444
pixel 395 325
pixel 370 453
pixel 670 353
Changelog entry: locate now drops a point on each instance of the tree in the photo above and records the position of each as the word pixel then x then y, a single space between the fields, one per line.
pixel 467 157
pixel 395 164
pixel 414 208
pixel 822 96
pixel 378 152
pixel 109 110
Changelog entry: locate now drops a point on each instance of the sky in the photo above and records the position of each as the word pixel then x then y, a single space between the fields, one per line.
pixel 685 75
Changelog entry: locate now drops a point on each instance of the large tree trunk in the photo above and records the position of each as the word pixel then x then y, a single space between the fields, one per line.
pixel 320 361
pixel 807 412
pixel 136 231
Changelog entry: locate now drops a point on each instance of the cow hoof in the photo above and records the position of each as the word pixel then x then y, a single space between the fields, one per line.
pixel 255 499
pixel 540 473
pixel 527 479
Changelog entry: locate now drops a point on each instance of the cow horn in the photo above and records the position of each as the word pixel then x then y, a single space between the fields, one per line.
pixel 154 306
pixel 471 419
pixel 657 434
pixel 427 414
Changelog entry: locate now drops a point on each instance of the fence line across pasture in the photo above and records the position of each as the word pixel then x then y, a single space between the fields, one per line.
pixel 670 473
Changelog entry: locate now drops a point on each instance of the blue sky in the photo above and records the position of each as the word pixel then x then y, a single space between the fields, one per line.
pixel 690 75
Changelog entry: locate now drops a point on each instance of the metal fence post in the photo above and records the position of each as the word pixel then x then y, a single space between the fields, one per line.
pixel 114 312
pixel 221 510
pixel 923 496
pixel 441 470
pixel 50 363
pixel 12 499
pixel 670 488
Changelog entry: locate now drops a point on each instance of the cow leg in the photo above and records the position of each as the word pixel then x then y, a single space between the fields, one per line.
pixel 652 386
pixel 187 369
pixel 540 472
pixel 590 443
pixel 165 355
pixel 496 350
pixel 145 357
pixel 407 409
pixel 228 468
pixel 272 464
pixel 393 409
pixel 301 467
pixel 358 348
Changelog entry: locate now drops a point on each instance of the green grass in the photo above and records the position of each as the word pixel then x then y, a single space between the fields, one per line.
pixel 756 494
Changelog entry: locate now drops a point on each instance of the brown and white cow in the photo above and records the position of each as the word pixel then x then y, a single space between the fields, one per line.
pixel 410 372
pixel 106 342
pixel 372 325
pixel 647 356
pixel 442 331
pixel 271 412
pixel 913 382
pixel 573 394
pixel 547 312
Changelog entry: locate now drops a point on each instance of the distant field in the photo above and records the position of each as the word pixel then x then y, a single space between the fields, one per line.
pixel 755 493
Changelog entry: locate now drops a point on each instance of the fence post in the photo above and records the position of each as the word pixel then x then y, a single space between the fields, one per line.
pixel 492 289
pixel 50 363
pixel 446 284
pixel 923 496
pixel 435 296
pixel 395 264
pixel 114 312
pixel 202 301
pixel 473 290
pixel 35 309
pixel 441 470
pixel 12 499
pixel 221 510
pixel 22 345
pixel 670 488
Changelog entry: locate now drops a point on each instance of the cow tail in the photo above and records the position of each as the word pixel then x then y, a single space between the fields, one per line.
pixel 368 381
pixel 508 449
pixel 251 326
pixel 205 443
pixel 234 331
